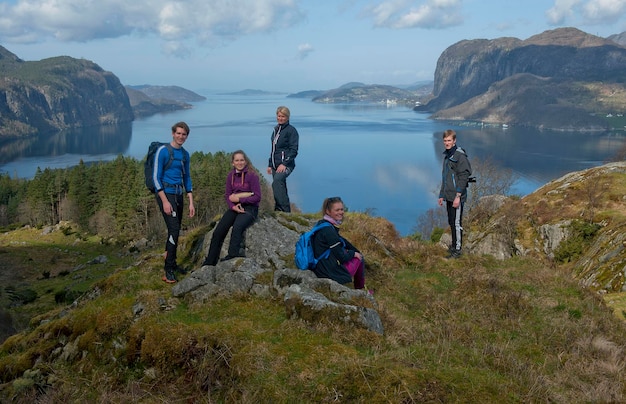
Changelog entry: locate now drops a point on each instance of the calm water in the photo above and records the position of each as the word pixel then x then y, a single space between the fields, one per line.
pixel 378 158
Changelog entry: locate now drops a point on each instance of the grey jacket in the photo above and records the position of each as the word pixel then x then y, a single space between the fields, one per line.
pixel 455 174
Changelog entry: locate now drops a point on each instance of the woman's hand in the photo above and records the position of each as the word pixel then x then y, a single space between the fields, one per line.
pixel 358 255
pixel 234 198
pixel 238 208
pixel 281 168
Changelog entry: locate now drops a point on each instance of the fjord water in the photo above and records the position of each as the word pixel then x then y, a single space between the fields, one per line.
pixel 385 159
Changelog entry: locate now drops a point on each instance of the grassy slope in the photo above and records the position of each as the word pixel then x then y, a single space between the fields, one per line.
pixel 468 330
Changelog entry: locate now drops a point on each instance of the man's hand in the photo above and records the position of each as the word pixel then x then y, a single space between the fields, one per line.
pixel 457 201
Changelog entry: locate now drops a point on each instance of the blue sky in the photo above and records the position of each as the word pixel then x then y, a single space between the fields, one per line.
pixel 281 45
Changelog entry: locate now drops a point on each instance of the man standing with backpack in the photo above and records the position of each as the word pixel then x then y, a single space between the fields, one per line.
pixel 171 178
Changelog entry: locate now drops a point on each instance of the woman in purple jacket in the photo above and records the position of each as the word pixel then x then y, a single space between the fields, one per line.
pixel 243 194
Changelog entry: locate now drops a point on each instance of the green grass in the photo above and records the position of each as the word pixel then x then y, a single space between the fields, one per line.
pixel 469 330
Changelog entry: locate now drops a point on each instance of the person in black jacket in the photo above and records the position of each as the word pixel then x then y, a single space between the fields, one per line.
pixel 454 179
pixel 345 260
pixel 282 159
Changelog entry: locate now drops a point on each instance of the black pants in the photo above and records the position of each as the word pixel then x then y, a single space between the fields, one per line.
pixel 455 219
pixel 279 187
pixel 239 222
pixel 173 223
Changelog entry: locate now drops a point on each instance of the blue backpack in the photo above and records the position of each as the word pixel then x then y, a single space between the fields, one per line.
pixel 304 257
pixel 148 165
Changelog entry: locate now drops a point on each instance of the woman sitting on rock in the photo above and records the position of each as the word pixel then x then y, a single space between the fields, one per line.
pixel 243 194
pixel 345 263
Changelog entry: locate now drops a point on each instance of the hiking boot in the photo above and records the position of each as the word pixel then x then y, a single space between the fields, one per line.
pixel 169 277
pixel 180 270
pixel 454 254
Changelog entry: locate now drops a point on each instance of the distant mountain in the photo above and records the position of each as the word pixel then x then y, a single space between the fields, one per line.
pixel 559 79
pixel 618 38
pixel 143 105
pixel 57 93
pixel 358 92
pixel 172 93
pixel 352 84
pixel 148 100
pixel 421 87
pixel 306 94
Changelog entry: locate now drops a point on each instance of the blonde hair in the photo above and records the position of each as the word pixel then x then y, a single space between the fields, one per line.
pixel 283 110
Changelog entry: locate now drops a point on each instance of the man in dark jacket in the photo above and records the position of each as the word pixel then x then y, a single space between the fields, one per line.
pixel 454 179
pixel 282 159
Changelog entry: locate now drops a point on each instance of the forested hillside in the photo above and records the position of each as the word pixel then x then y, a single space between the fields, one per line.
pixel 108 199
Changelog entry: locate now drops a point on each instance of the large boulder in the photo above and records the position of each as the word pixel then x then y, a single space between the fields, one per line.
pixel 270 244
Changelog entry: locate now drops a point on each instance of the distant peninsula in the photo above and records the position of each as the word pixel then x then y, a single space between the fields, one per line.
pixel 148 100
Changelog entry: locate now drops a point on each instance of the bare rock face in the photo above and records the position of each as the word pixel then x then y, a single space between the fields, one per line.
pixel 266 272
pixel 532 82
pixel 58 93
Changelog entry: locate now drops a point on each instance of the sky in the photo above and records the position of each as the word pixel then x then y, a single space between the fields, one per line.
pixel 281 45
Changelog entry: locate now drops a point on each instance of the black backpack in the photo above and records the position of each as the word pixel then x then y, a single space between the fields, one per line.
pixel 148 165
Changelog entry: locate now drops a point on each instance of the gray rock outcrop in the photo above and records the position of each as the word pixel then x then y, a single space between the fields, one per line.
pixel 266 272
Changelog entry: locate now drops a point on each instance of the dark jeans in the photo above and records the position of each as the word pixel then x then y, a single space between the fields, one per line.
pixel 279 186
pixel 173 228
pixel 455 218
pixel 239 222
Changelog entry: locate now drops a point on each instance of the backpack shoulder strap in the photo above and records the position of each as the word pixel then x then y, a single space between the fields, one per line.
pixel 317 227
pixel 320 225
pixel 170 149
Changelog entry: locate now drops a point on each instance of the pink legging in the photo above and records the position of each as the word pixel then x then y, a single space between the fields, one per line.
pixel 356 268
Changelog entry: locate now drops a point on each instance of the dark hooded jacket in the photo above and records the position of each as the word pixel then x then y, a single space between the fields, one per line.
pixel 455 174
pixel 285 140
pixel 341 251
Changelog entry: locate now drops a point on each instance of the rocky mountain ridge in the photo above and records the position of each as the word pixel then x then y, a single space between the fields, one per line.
pixel 559 79
pixel 50 95
pixel 58 93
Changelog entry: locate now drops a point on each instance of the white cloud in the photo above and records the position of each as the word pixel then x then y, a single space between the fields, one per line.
pixel 304 50
pixel 417 14
pixel 206 21
pixel 604 11
pixel 562 11
pixel 586 12
pixel 387 176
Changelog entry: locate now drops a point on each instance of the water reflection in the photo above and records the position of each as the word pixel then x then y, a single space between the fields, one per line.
pixel 109 140
pixel 540 155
